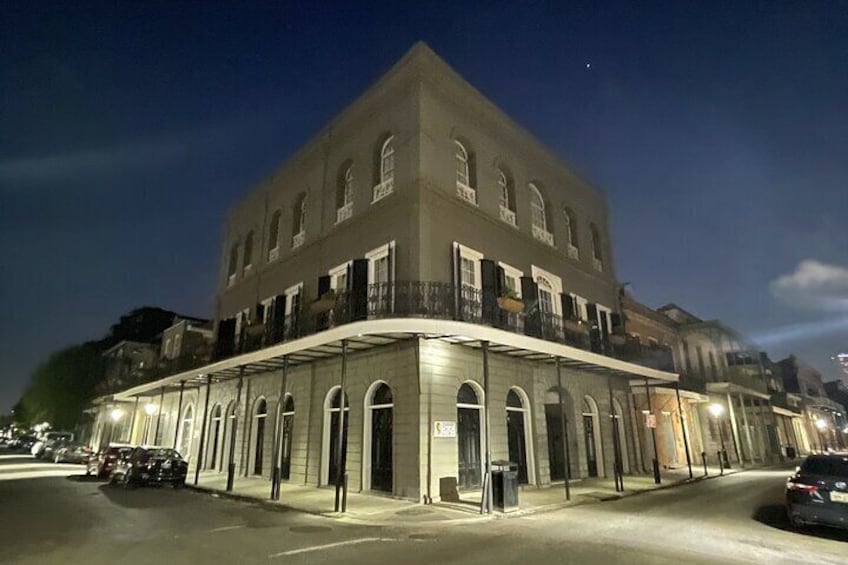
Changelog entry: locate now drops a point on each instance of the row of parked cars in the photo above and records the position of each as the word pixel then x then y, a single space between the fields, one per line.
pixel 132 466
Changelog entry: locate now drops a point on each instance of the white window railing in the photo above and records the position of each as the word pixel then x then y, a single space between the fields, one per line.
pixel 231 280
pixel 344 213
pixel 508 216
pixel 274 254
pixel 466 193
pixel 383 189
pixel 298 239
pixel 573 253
pixel 598 264
pixel 543 235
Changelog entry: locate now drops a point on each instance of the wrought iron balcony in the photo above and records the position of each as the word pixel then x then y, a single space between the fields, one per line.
pixel 383 189
pixel 466 193
pixel 344 213
pixel 508 216
pixel 543 235
pixel 434 300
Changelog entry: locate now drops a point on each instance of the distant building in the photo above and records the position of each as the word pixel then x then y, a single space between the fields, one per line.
pixel 186 344
pixel 842 359
pixel 823 417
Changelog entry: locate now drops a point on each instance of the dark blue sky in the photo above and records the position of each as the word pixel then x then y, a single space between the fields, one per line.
pixel 719 133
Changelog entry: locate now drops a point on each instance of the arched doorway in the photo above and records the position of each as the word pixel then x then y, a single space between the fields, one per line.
pixel 229 426
pixel 556 441
pixel 378 445
pixel 592 437
pixel 518 433
pixel 286 447
pixel 469 430
pixel 618 416
pixel 214 437
pixel 332 411
pixel 260 414
pixel 186 426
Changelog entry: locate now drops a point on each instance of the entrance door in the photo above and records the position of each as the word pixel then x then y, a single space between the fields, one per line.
pixel 214 436
pixel 468 439
pixel 332 477
pixel 516 434
pixel 285 464
pixel 670 444
pixel 381 449
pixel 555 442
pixel 591 452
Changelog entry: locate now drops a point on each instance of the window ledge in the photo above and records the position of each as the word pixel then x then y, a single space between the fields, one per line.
pixel 383 189
pixel 466 193
pixel 543 235
pixel 298 239
pixel 508 216
pixel 344 213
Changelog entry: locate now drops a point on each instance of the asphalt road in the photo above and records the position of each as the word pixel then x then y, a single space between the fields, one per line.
pixel 50 514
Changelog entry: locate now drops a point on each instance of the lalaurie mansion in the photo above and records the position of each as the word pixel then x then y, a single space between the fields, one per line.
pixel 420 288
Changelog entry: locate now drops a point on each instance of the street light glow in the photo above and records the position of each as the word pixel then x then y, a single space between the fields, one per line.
pixel 716 409
pixel 116 414
pixel 150 409
pixel 821 424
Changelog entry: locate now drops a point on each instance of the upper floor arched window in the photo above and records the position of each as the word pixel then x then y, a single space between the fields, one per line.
pixel 299 220
pixel 571 232
pixel 384 167
pixel 274 235
pixel 465 174
pixel 344 192
pixel 462 174
pixel 506 196
pixel 247 261
pixel 233 264
pixel 538 216
pixel 597 248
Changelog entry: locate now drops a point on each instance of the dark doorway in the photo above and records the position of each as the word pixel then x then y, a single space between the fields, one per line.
pixel 591 452
pixel 288 425
pixel 468 438
pixel 555 442
pixel 334 464
pixel 214 435
pixel 381 439
pixel 516 435
pixel 259 450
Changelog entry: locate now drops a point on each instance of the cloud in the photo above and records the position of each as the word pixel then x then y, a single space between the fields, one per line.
pixel 813 286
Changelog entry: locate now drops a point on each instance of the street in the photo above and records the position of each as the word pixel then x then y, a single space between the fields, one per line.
pixel 51 514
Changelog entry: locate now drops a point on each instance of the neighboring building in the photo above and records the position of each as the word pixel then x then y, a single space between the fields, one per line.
pixel 187 343
pixel 428 256
pixel 842 360
pixel 127 364
pixel 823 417
pixel 733 376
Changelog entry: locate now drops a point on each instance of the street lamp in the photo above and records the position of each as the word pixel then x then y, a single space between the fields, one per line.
pixel 821 425
pixel 115 415
pixel 150 409
pixel 717 410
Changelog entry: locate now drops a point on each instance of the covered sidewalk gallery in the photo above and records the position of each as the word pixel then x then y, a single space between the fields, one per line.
pixel 427 405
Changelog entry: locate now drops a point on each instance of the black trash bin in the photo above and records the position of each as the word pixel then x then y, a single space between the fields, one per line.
pixel 790 452
pixel 505 485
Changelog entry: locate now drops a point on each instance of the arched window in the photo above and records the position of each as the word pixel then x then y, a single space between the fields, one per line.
pixel 592 438
pixel 538 216
pixel 186 426
pixel 331 465
pixel 215 429
pixel 384 158
pixel 260 414
pixel 467 395
pixel 286 445
pixel 274 236
pixel 233 265
pixel 571 232
pixel 299 220
pixel 462 174
pixel 469 437
pixel 519 438
pixel 465 174
pixel 378 463
pixel 597 256
pixel 546 295
pixel 506 194
pixel 344 192
pixel 247 262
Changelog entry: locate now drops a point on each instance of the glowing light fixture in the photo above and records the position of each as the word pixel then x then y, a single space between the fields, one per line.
pixel 150 409
pixel 716 409
pixel 116 414
pixel 821 424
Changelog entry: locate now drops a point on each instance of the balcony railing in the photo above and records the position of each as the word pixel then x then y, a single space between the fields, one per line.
pixel 543 235
pixel 298 239
pixel 598 264
pixel 435 300
pixel 383 189
pixel 344 213
pixel 466 193
pixel 508 216
pixel 573 252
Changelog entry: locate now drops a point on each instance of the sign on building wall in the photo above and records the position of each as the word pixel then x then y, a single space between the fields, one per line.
pixel 446 428
pixel 650 421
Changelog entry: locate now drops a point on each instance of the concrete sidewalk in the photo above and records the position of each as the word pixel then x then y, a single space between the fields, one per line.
pixel 376 509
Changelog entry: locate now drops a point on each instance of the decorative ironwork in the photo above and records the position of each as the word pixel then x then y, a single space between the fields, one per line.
pixel 508 216
pixel 344 213
pixel 298 239
pixel 383 189
pixel 466 193
pixel 543 235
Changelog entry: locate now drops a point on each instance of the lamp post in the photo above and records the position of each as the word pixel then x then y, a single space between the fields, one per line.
pixel 717 410
pixel 821 426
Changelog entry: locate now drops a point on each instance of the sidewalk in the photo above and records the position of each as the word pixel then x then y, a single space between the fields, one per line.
pixel 376 509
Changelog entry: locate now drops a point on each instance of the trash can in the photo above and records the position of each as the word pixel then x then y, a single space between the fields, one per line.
pixel 790 452
pixel 505 485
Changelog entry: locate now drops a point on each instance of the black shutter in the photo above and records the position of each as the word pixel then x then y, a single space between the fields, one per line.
pixel 322 319
pixel 295 320
pixel 594 329
pixel 359 289
pixel 260 313
pixel 617 326
pixel 323 285
pixel 488 284
pixel 533 317
pixel 226 338
pixel 278 319
pixel 457 281
pixel 501 316
pixel 569 308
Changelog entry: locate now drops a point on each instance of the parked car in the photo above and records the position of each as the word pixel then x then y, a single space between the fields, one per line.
pixel 37 449
pixel 53 441
pixel 24 442
pixel 102 463
pixel 818 492
pixel 72 453
pixel 151 465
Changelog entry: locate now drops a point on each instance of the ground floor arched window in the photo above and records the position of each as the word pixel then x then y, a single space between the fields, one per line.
pixel 592 437
pixel 260 415
pixel 332 418
pixel 469 430
pixel 519 439
pixel 286 444
pixel 186 427
pixel 379 437
pixel 214 437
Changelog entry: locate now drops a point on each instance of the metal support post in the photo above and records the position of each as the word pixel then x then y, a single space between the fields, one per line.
pixel 203 430
pixel 704 460
pixel 683 429
pixel 486 499
pixel 340 471
pixel 564 432
pixel 278 433
pixel 159 416
pixel 179 412
pixel 231 465
pixel 132 422
pixel 617 467
pixel 656 461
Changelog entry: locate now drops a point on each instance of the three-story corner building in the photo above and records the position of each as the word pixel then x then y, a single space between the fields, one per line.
pixel 421 288
pixel 823 416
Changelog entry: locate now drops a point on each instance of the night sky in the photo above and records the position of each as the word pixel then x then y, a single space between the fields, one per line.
pixel 719 133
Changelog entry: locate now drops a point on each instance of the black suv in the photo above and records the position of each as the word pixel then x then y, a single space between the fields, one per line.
pixel 146 465
pixel 818 492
